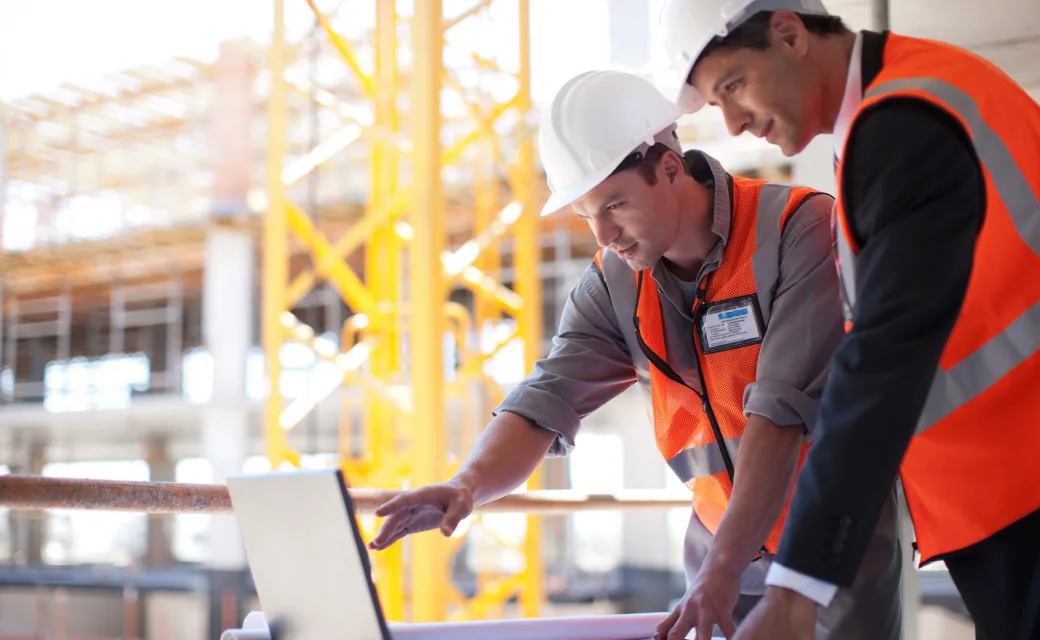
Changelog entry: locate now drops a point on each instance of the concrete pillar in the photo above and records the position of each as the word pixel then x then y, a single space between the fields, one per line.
pixel 228 302
pixel 27 528
pixel 230 126
pixel 158 551
pixel 645 533
pixel 227 325
pixel 3 190
pixel 648 568
pixel 645 542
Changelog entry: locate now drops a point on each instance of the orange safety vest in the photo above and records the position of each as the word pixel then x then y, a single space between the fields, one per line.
pixel 971 468
pixel 689 426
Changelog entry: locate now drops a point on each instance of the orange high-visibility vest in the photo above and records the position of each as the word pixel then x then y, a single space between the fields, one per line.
pixel 972 466
pixel 698 434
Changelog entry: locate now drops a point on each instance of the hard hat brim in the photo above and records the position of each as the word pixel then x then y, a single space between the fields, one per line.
pixel 565 197
pixel 689 100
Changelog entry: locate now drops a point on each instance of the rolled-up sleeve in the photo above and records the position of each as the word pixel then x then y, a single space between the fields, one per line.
pixel 588 365
pixel 806 324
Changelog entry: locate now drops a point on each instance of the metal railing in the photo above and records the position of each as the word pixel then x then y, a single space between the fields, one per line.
pixel 23 492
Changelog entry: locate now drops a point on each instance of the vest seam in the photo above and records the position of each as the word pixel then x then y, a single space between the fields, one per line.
pixel 871 105
pixel 602 278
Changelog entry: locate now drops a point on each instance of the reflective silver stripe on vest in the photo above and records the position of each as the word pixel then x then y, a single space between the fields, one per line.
pixel 952 389
pixel 702 461
pixel 846 268
pixel 1012 186
pixel 765 264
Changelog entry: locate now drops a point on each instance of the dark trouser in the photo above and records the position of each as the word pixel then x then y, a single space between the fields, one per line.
pixel 869 610
pixel 995 578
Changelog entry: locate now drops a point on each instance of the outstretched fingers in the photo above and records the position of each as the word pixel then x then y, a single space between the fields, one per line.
pixel 402 502
pixel 394 528
pixel 457 510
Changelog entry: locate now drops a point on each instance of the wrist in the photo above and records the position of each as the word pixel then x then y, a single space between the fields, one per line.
pixel 723 557
pixel 469 480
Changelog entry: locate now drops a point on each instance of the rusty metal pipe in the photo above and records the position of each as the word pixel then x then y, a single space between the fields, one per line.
pixel 32 493
pixel 23 492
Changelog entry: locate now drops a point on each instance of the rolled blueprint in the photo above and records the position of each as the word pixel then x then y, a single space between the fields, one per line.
pixel 245 634
pixel 637 626
pixel 254 627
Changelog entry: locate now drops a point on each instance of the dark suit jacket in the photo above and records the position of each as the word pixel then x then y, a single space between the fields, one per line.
pixel 915 199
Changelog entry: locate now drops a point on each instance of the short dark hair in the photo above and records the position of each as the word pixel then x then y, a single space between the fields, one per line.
pixel 753 33
pixel 646 162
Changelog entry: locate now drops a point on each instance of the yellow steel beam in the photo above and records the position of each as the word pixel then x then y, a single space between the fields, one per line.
pixel 383 273
pixel 343 48
pixel 472 11
pixel 429 558
pixel 503 297
pixel 453 153
pixel 321 154
pixel 486 199
pixel 359 233
pixel 349 286
pixel 456 261
pixel 474 279
pixel 528 256
pixel 378 299
pixel 346 362
pixel 275 242
pixel 482 359
pixel 488 65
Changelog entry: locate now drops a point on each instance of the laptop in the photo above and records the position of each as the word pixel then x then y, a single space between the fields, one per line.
pixel 305 551
pixel 312 572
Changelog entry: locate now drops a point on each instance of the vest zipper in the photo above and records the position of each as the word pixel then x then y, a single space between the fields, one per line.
pixel 667 370
pixel 702 292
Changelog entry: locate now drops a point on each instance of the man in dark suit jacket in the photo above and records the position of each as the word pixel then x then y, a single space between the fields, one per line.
pixel 913 198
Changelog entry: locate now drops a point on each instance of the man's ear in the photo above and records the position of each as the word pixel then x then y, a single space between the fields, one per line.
pixel 789 30
pixel 671 165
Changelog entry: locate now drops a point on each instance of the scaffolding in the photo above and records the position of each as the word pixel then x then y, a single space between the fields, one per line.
pixel 392 343
pixel 408 196
pixel 111 187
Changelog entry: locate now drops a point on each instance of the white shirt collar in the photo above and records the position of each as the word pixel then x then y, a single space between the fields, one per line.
pixel 852 98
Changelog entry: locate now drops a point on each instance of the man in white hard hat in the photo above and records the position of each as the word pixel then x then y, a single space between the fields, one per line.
pixel 716 295
pixel 937 220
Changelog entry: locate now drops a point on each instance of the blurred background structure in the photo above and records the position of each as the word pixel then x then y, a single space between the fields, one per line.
pixel 238 235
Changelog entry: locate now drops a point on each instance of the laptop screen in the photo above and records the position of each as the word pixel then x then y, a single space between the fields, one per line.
pixel 309 563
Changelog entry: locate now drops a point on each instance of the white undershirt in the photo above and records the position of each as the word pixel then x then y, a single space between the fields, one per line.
pixel 780 576
pixel 852 99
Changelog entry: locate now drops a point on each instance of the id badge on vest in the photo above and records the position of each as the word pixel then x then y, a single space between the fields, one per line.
pixel 730 324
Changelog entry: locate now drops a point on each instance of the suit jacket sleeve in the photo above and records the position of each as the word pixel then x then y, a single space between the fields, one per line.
pixel 915 199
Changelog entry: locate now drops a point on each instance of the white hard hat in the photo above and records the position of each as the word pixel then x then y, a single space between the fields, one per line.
pixel 690 25
pixel 594 122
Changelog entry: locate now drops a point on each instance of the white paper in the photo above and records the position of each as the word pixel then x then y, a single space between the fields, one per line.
pixel 253 628
pixel 245 634
pixel 638 626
